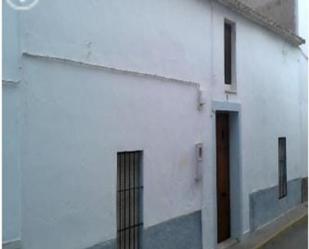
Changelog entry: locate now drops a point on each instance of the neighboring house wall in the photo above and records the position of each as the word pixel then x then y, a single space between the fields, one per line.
pixel 81 105
pixel 282 11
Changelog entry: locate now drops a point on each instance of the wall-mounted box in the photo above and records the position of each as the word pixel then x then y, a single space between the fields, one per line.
pixel 201 99
pixel 199 159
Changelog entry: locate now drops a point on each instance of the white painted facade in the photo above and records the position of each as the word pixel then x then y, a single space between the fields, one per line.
pixel 303 27
pixel 89 79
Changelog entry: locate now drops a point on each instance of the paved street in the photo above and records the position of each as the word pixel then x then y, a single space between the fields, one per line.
pixel 293 238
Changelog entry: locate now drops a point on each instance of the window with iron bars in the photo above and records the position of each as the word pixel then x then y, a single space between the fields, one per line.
pixel 129 200
pixel 282 167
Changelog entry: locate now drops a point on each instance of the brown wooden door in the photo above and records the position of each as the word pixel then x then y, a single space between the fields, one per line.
pixel 223 176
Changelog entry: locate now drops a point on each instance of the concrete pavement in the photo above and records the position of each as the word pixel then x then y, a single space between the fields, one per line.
pixel 291 225
pixel 295 237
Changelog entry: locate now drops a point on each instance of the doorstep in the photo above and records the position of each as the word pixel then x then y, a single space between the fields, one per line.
pixel 269 231
pixel 227 244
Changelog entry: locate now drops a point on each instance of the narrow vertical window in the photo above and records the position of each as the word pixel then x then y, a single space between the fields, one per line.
pixel 282 167
pixel 129 200
pixel 228 53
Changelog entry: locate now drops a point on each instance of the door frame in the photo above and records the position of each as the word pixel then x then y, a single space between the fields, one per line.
pixel 236 207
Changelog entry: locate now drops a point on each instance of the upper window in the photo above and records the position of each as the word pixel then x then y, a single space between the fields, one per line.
pixel 229 54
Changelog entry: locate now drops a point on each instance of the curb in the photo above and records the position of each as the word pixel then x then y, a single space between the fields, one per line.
pixel 283 229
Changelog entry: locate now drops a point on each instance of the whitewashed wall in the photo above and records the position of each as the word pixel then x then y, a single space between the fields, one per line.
pixel 164 37
pixel 11 129
pixel 131 36
pixel 303 27
pixel 78 132
pixel 76 118
pixel 271 81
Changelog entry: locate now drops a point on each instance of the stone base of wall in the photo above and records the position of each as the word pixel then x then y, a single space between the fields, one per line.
pixel 265 204
pixel 16 244
pixel 182 233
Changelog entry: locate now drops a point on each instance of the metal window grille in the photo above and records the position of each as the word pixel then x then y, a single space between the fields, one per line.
pixel 282 167
pixel 129 200
pixel 304 187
